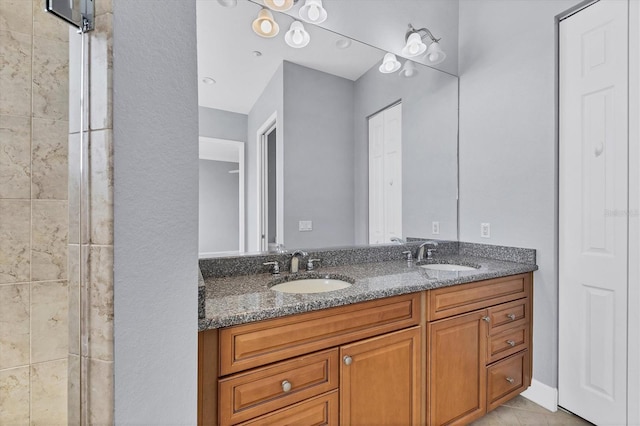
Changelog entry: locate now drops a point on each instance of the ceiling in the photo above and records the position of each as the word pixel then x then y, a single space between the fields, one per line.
pixel 226 44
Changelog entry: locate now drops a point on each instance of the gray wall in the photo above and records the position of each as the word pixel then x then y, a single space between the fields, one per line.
pixel 508 144
pixel 270 101
pixel 318 157
pixel 220 124
pixel 155 217
pixel 429 149
pixel 218 208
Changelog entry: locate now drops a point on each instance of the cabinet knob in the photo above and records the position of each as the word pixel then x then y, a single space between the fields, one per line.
pixel 511 343
pixel 486 319
pixel 510 379
pixel 347 360
pixel 286 386
pixel 511 316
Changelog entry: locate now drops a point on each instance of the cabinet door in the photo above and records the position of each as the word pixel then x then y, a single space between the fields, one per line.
pixel 457 381
pixel 380 380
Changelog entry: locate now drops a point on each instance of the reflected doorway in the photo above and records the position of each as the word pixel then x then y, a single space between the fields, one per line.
pixel 268 188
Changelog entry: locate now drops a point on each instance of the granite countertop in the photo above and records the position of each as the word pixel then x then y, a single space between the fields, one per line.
pixel 241 299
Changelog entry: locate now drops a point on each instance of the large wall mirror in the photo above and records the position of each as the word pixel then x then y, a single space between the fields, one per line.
pixel 315 147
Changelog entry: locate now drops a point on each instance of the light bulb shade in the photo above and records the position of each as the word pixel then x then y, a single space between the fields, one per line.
pixel 409 69
pixel 389 64
pixel 313 12
pixel 435 55
pixel 265 25
pixel 297 36
pixel 279 5
pixel 414 46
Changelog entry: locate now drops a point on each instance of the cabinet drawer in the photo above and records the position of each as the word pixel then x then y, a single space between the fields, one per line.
pixel 508 343
pixel 508 315
pixel 260 343
pixel 318 411
pixel 455 300
pixel 507 378
pixel 254 393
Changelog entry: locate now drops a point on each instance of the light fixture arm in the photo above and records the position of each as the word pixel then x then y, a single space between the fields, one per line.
pixel 422 32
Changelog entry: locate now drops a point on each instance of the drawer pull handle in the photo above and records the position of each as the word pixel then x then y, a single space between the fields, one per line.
pixel 511 343
pixel 512 317
pixel 510 379
pixel 486 319
pixel 347 360
pixel 286 386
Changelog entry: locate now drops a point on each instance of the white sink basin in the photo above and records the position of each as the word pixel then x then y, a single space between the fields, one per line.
pixel 311 285
pixel 448 267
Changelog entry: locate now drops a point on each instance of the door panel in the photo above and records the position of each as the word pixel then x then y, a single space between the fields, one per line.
pixel 592 224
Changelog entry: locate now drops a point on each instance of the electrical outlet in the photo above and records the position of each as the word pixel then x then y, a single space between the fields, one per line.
pixel 305 225
pixel 435 228
pixel 485 230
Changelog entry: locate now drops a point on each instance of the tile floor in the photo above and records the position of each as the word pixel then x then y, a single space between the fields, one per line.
pixel 521 411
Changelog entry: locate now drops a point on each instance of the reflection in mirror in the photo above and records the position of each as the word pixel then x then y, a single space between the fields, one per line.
pixel 336 152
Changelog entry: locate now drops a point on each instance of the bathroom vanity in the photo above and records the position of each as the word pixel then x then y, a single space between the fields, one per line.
pixel 402 345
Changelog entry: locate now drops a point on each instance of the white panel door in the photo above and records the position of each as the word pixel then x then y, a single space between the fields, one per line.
pixel 385 175
pixel 593 226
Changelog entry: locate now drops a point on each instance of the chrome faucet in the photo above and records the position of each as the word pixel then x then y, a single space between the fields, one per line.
pixel 295 260
pixel 430 251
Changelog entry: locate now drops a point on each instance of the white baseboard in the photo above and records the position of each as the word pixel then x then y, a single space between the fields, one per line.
pixel 543 395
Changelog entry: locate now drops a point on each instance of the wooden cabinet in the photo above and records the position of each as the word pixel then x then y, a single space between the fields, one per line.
pixel 443 356
pixel 478 347
pixel 380 380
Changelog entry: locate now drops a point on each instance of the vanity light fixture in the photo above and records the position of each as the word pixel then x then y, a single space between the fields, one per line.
pixel 280 5
pixel 415 45
pixel 409 69
pixel 389 64
pixel 264 25
pixel 313 12
pixel 297 36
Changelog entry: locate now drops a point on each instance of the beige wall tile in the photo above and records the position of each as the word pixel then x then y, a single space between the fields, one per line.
pixel 101 302
pixel 78 207
pixel 15 157
pixel 47 25
pixel 50 231
pixel 101 187
pixel 49 321
pixel 100 392
pixel 15 15
pixel 49 393
pixel 50 168
pixel 74 293
pixel 73 390
pixel 50 79
pixel 101 73
pixel 103 6
pixel 15 73
pixel 14 396
pixel 15 235
pixel 14 325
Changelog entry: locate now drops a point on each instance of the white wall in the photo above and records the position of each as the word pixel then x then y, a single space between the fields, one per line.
pixel 318 158
pixel 508 157
pixel 218 207
pixel 156 215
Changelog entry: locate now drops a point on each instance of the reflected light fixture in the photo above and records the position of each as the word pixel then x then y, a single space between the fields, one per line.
pixel 313 12
pixel 389 64
pixel 228 3
pixel 264 25
pixel 279 5
pixel 297 36
pixel 409 69
pixel 415 45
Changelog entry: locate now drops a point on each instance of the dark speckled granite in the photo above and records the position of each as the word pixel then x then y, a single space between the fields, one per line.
pixel 510 254
pixel 246 298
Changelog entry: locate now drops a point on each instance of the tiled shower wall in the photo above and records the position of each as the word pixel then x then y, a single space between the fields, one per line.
pixel 34 227
pixel 53 241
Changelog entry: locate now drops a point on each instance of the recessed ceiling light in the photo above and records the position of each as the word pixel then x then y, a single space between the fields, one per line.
pixel 256 53
pixel 208 80
pixel 343 43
